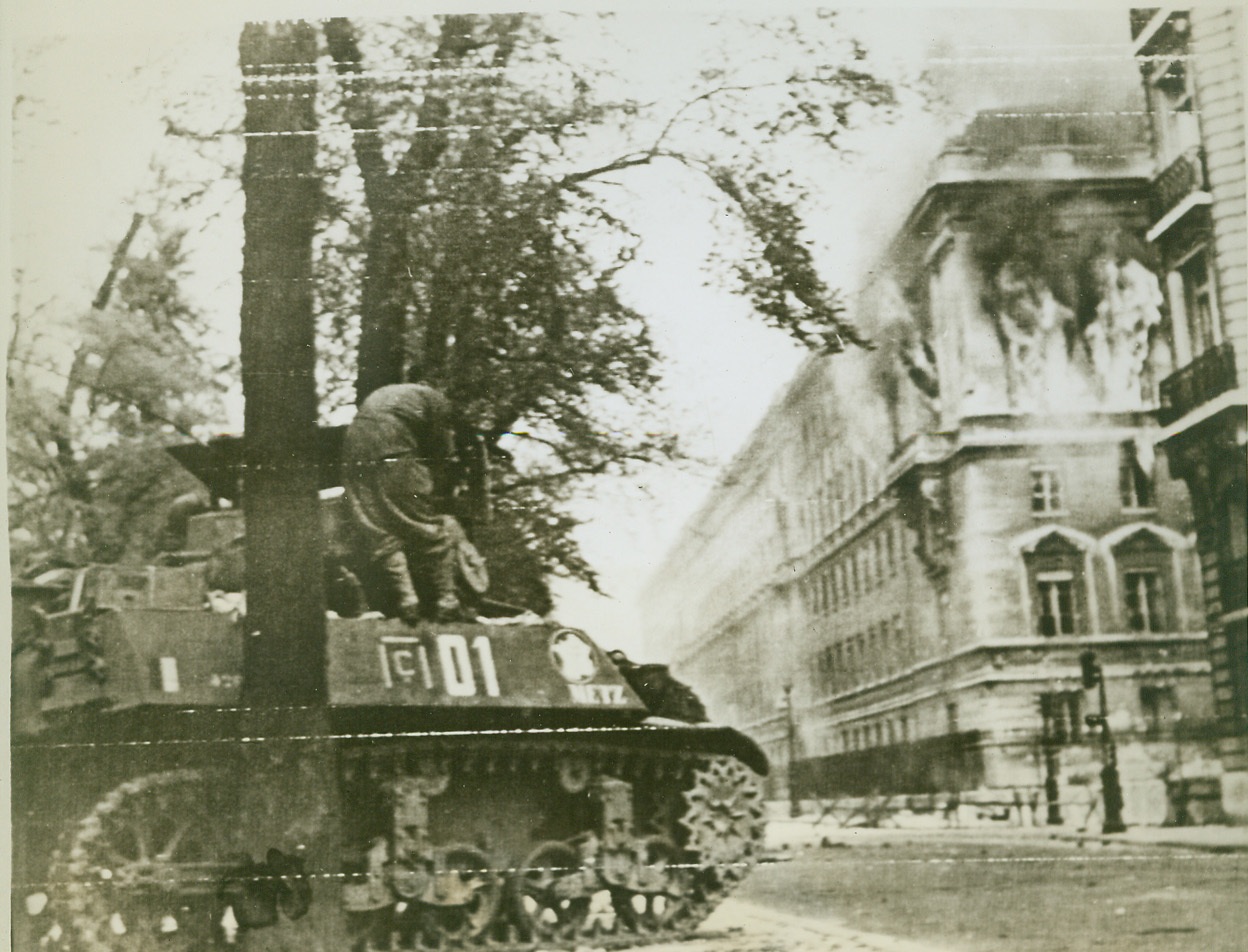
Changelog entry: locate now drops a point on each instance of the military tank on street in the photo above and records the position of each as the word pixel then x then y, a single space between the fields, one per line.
pixel 498 784
pixel 192 772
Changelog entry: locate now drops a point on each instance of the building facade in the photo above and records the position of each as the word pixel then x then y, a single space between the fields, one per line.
pixel 1191 62
pixel 896 577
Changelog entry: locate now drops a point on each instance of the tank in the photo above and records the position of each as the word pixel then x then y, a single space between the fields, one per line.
pixel 461 785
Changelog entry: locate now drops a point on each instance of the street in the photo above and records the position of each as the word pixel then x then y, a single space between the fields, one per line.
pixel 983 891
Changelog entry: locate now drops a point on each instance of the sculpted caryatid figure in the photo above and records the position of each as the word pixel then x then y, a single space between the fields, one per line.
pixel 1036 329
pixel 1119 338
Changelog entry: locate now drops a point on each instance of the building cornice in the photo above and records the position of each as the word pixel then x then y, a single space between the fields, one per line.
pixel 1014 674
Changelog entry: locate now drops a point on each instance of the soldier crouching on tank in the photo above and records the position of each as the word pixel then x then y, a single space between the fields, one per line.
pixel 397 460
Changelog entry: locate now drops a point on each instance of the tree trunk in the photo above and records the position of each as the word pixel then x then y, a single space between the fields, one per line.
pixel 391 197
pixel 284 656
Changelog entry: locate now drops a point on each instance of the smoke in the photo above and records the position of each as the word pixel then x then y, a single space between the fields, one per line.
pixel 1004 77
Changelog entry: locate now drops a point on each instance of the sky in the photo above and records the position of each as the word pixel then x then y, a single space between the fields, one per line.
pixel 92 78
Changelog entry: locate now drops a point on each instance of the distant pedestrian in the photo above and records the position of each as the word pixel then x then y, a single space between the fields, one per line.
pixel 953 808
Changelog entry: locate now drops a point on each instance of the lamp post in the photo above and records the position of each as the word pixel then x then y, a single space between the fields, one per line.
pixel 1052 795
pixel 1181 816
pixel 795 806
pixel 1111 786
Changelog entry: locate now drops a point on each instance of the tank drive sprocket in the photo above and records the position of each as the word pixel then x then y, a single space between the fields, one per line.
pixel 725 821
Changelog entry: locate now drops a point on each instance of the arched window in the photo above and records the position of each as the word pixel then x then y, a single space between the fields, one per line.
pixel 1145 570
pixel 1057 586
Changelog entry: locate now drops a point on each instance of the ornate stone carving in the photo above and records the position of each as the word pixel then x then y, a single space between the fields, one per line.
pixel 1036 331
pixel 1119 338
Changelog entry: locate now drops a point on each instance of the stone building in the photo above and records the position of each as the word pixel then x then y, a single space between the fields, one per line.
pixel 1191 62
pixel 897 575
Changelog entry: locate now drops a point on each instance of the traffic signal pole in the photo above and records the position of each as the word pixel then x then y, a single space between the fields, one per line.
pixel 1111 785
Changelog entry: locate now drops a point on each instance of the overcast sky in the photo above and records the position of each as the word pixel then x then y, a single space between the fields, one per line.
pixel 94 75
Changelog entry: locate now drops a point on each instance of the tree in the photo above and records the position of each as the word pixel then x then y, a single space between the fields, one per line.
pixel 485 249
pixel 88 478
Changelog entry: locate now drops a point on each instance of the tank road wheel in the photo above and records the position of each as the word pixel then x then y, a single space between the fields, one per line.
pixel 725 823
pixel 460 903
pixel 658 899
pixel 550 892
pixel 141 871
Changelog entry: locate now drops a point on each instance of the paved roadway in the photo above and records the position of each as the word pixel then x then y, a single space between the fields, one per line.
pixel 742 926
pixel 989 890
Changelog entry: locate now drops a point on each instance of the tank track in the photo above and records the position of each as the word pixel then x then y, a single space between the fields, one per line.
pixel 509 842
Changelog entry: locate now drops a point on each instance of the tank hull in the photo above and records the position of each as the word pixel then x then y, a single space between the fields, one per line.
pixel 463 786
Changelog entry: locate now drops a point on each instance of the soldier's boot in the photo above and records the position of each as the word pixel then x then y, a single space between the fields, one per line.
pixel 398 578
pixel 448 605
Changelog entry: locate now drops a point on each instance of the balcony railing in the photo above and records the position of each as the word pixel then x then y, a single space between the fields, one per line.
pixel 1180 178
pixel 1210 374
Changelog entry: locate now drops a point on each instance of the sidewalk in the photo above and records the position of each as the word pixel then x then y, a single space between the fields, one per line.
pixel 808 830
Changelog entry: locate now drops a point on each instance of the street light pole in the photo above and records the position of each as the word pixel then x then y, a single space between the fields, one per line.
pixel 1052 795
pixel 795 806
pixel 1111 786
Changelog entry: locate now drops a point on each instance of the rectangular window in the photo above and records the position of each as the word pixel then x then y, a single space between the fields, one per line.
pixel 1135 485
pixel 951 717
pixel 1062 712
pixel 1198 303
pixel 1157 704
pixel 1046 489
pixel 1057 603
pixel 1142 591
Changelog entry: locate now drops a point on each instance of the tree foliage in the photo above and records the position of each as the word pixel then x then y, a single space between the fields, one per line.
pixel 474 232
pixel 88 479
pixel 480 178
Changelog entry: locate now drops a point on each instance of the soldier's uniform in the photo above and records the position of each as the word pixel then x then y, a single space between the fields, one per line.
pixel 395 460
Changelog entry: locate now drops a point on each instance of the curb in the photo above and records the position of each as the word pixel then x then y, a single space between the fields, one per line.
pixel 1235 839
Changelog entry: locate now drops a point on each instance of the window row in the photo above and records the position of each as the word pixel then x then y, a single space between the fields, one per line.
pixel 841 580
pixel 882 649
pixel 895 730
pixel 1144 586
pixel 1135 482
pixel 841 494
pixel 1062 713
